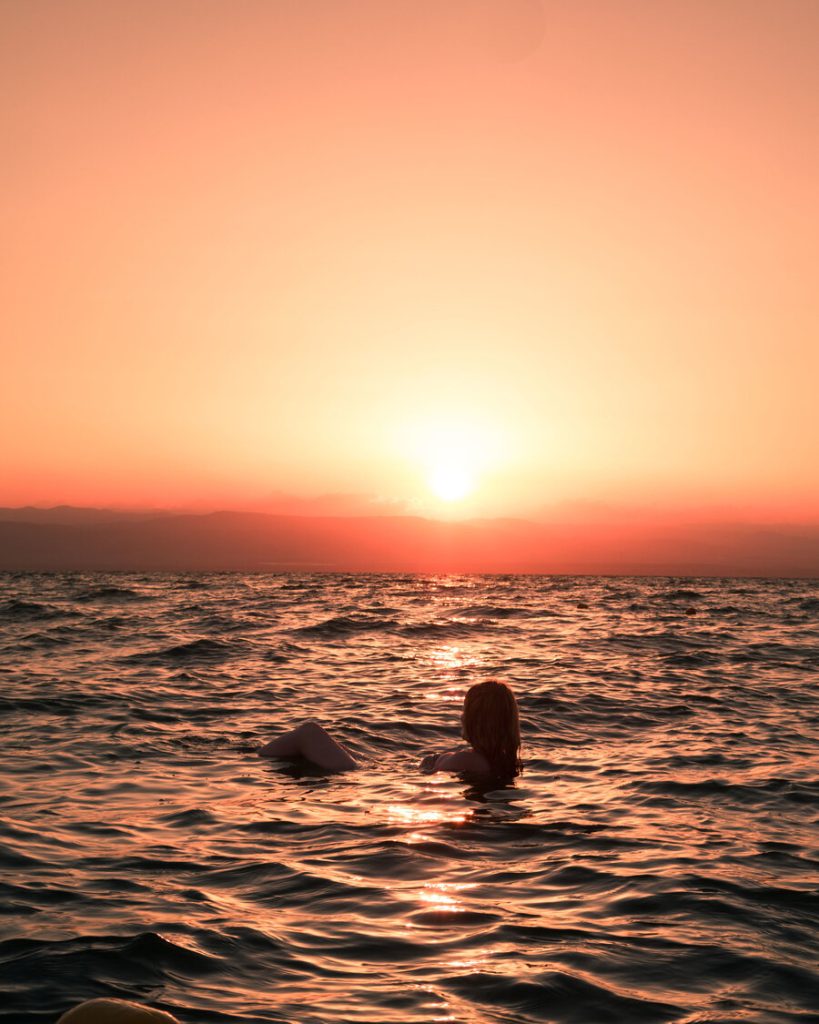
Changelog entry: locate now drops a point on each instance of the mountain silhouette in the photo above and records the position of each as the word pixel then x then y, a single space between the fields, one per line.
pixel 105 540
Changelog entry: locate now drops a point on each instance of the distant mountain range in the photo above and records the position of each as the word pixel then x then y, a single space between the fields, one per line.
pixel 70 515
pixel 78 539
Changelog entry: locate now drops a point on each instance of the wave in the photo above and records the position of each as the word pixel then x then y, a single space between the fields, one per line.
pixel 204 650
pixel 346 625
pixel 567 996
pixel 57 704
pixel 490 611
pixel 21 610
pixel 772 790
pixel 451 629
pixel 111 593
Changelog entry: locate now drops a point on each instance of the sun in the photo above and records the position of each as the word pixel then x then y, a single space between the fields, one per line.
pixel 450 481
pixel 453 454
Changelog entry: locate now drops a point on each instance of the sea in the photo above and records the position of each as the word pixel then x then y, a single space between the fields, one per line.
pixel 657 860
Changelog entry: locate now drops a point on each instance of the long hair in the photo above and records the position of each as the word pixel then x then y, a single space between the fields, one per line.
pixel 492 726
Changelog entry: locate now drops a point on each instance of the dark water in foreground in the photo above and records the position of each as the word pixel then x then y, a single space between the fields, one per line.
pixel 658 860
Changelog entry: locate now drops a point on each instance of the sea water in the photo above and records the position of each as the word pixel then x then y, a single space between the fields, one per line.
pixel 657 860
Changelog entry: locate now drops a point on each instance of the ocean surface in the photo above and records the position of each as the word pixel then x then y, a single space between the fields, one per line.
pixel 658 860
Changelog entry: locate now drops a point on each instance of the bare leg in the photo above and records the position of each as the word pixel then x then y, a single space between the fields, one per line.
pixel 316 744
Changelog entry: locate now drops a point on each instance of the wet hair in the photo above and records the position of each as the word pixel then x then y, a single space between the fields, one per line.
pixel 491 725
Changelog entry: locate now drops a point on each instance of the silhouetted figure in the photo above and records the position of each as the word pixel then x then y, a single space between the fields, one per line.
pixel 489 723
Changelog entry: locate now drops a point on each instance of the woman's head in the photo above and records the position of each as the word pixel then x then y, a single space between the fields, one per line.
pixel 491 725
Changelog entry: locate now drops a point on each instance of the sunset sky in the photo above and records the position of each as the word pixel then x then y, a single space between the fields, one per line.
pixel 465 257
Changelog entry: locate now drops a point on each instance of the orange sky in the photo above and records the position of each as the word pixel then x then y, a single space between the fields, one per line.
pixel 558 253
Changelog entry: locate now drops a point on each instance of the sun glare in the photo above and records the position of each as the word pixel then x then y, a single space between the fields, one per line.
pixel 453 454
pixel 451 482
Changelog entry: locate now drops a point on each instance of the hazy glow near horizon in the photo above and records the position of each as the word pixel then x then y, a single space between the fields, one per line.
pixel 465 258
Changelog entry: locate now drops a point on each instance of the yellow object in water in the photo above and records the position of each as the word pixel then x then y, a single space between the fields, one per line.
pixel 115 1011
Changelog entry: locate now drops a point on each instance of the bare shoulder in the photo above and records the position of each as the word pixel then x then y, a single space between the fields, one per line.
pixel 464 760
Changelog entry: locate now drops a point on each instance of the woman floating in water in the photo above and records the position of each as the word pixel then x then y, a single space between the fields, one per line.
pixel 489 722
